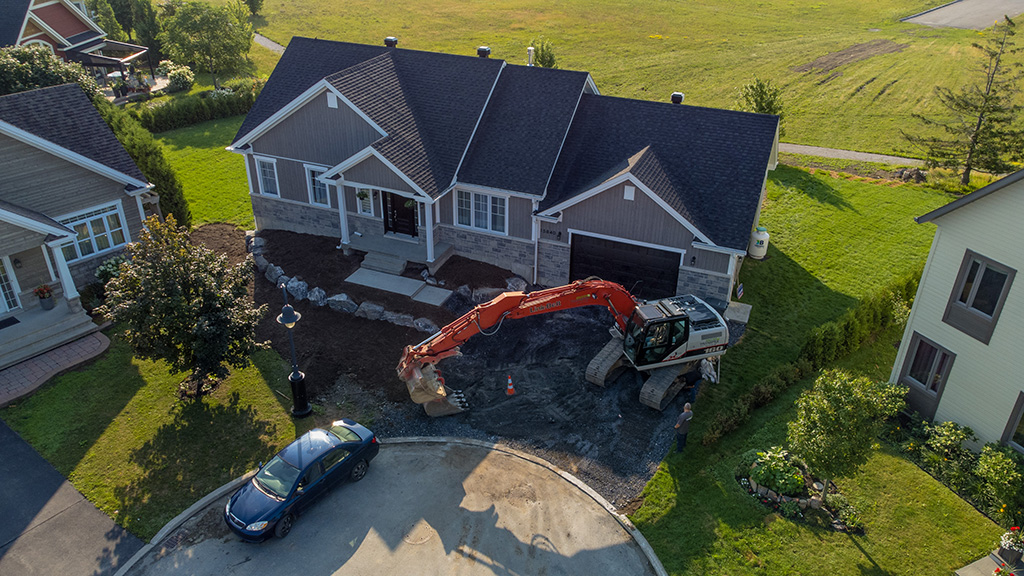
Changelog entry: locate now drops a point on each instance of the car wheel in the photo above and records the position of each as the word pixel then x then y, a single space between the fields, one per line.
pixel 284 526
pixel 358 471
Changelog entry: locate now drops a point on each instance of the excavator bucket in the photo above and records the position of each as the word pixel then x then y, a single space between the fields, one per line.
pixel 424 384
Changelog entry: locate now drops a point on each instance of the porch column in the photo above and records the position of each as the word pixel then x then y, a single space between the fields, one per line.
pixel 342 214
pixel 67 283
pixel 142 211
pixel 430 230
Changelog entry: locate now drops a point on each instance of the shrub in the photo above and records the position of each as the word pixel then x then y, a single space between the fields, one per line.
pixel 180 79
pixel 233 99
pixel 1000 473
pixel 747 460
pixel 110 268
pixel 164 67
pixel 790 509
pixel 775 471
pixel 947 438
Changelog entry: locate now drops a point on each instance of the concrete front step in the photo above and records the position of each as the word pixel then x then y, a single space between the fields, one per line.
pixel 383 263
pixel 46 338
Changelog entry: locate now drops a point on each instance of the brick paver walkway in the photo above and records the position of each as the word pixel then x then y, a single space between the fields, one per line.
pixel 22 379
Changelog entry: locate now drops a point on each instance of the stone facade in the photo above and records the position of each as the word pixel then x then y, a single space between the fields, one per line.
pixel 274 214
pixel 503 251
pixel 703 284
pixel 552 264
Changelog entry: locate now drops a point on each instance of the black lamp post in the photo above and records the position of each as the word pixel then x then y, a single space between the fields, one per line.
pixel 288 318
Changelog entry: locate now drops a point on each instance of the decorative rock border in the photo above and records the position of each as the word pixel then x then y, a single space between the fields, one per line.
pixel 341 302
pixel 763 491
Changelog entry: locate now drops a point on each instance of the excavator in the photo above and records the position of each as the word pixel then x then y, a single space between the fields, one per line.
pixel 663 339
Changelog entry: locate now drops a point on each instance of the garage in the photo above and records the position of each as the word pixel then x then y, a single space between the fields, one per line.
pixel 647 272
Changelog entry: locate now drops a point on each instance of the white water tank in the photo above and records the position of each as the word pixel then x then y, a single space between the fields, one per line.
pixel 758 243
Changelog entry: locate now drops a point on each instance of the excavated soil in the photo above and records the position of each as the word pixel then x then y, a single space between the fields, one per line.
pixel 854 53
pixel 602 435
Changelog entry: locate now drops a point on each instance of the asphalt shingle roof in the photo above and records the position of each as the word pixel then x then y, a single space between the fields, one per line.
pixel 12 16
pixel 65 116
pixel 524 126
pixel 707 164
pixel 33 215
pixel 427 102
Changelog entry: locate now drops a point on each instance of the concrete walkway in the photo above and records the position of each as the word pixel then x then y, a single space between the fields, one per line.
pixel 427 506
pixel 24 378
pixel 985 566
pixel 418 290
pixel 968 14
pixel 848 154
pixel 47 526
pixel 268 43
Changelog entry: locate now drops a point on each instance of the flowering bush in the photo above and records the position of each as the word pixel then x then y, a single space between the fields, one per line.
pixel 1002 570
pixel 1013 540
pixel 775 471
pixel 180 79
pixel 44 291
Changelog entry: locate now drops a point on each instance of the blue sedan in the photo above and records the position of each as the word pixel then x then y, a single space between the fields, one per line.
pixel 297 476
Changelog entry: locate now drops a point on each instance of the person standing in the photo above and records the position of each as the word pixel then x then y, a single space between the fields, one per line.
pixel 683 427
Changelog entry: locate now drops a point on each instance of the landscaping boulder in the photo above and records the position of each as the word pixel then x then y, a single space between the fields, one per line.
pixel 257 245
pixel 424 325
pixel 816 502
pixel 282 279
pixel 424 274
pixel 273 273
pixel 261 262
pixel 465 292
pixel 485 294
pixel 342 303
pixel 803 502
pixel 370 310
pixel 762 490
pixel 772 495
pixel 753 484
pixel 298 288
pixel 317 296
pixel 398 318
pixel 430 280
pixel 516 284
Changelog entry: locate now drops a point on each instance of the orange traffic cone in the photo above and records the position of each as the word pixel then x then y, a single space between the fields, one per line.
pixel 510 391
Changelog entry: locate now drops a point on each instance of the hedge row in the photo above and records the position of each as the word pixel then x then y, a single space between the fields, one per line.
pixel 235 99
pixel 825 344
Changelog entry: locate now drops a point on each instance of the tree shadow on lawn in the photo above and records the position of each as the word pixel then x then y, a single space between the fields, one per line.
pixel 205 446
pixel 813 186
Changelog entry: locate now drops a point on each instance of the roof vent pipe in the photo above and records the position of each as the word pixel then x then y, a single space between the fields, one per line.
pixel 483 51
pixel 391 42
pixel 529 56
pixel 677 97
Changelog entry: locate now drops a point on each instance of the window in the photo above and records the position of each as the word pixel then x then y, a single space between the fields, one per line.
pixel 267 171
pixel 481 211
pixel 335 458
pixel 978 296
pixel 317 188
pixel 927 365
pixel 7 287
pixel 364 201
pixel 96 232
pixel 1014 433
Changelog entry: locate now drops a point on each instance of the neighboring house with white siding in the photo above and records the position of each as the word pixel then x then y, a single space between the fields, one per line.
pixel 70 198
pixel 961 356
pixel 416 156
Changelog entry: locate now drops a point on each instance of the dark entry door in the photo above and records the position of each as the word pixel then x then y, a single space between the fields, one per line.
pixel 649 272
pixel 399 218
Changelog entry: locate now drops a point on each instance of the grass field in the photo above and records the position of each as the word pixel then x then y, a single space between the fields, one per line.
pixel 706 49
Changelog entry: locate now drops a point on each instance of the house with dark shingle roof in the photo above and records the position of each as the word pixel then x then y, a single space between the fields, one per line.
pixel 70 198
pixel 416 156
pixel 959 358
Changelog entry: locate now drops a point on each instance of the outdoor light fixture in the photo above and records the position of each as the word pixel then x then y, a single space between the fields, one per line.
pixel 289 318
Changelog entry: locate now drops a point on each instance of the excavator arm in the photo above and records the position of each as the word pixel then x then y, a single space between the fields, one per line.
pixel 416 368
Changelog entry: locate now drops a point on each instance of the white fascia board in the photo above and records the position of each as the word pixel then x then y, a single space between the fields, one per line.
pixel 140 191
pixel 348 162
pixel 84 18
pixel 402 193
pixel 53 33
pixel 719 249
pixel 565 136
pixel 73 157
pixel 242 151
pixel 592 84
pixel 366 153
pixel 493 191
pixel 773 158
pixel 300 101
pixel 24 23
pixel 479 118
pixel 33 225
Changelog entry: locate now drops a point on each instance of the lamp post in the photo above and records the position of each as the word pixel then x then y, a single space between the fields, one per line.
pixel 288 318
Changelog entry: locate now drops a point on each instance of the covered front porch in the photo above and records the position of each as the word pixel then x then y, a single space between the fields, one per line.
pixel 391 255
pixel 37 331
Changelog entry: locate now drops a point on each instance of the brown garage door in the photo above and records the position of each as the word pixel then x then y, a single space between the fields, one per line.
pixel 647 272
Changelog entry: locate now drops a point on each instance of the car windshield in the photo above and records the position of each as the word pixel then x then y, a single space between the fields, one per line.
pixel 277 477
pixel 345 434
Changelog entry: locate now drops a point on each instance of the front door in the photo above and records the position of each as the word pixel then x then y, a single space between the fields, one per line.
pixel 399 214
pixel 8 287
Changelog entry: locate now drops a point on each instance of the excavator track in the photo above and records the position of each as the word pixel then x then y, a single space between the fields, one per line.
pixel 663 386
pixel 607 361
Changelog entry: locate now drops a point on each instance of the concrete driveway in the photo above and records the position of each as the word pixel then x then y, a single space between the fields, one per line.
pixel 46 526
pixel 427 507
pixel 969 14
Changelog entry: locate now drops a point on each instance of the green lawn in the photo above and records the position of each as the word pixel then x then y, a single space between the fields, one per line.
pixel 706 49
pixel 117 430
pixel 213 179
pixel 834 240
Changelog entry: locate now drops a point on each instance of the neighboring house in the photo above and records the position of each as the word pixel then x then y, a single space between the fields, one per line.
pixel 70 198
pixel 416 156
pixel 961 355
pixel 65 28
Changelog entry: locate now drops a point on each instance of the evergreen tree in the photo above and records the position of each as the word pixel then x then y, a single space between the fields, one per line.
pixel 983 130
pixel 106 19
pixel 147 28
pixel 543 53
pixel 123 12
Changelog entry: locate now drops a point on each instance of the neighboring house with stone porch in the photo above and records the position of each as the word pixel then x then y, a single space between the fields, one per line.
pixel 70 198
pixel 960 357
pixel 416 156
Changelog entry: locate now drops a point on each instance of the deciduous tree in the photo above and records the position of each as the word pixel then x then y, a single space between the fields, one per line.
pixel 182 303
pixel 838 420
pixel 29 67
pixel 982 128
pixel 217 37
pixel 763 97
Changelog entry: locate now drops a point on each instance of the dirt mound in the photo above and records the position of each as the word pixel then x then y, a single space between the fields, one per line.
pixel 854 53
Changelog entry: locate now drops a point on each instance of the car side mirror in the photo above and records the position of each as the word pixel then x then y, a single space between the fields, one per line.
pixel 259 466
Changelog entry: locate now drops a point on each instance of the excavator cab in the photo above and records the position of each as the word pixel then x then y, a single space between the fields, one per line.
pixel 652 335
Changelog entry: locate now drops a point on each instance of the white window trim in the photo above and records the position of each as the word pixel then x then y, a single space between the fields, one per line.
pixel 472 212
pixel 259 175
pixel 359 202
pixel 15 287
pixel 309 169
pixel 72 216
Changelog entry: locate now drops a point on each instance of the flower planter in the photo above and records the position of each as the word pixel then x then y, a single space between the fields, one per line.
pixel 1010 556
pixel 46 303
